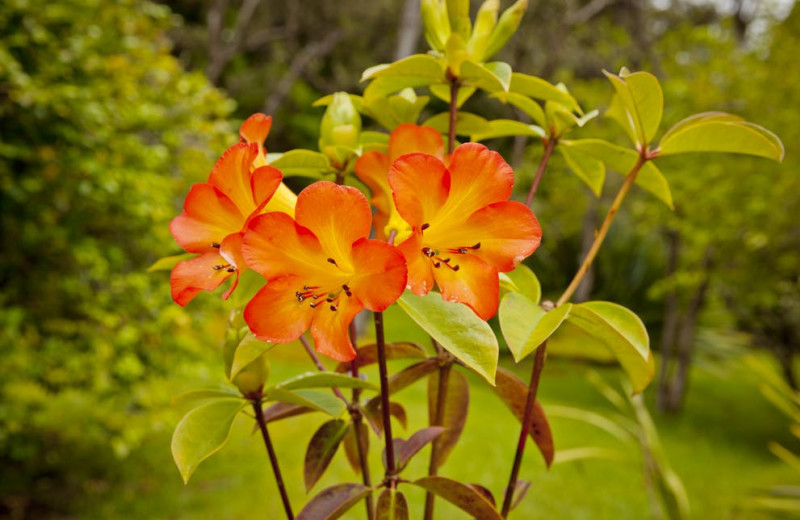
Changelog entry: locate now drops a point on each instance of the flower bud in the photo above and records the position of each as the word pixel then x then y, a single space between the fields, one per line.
pixel 505 28
pixel 250 380
pixel 484 25
pixel 458 14
pixel 341 126
pixel 435 23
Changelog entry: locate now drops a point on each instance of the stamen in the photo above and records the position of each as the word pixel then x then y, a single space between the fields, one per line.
pixel 312 305
pixel 300 296
pixel 329 299
pixel 456 267
pixel 345 287
pixel 215 245
pixel 437 264
pixel 231 269
pixel 425 226
pixel 218 267
pixel 333 308
pixel 427 251
pixel 331 260
pixel 477 246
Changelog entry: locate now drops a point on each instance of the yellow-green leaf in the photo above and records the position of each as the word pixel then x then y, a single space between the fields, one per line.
pixel 525 325
pixel 506 128
pixel 721 134
pixel 168 262
pixel 538 88
pixel 637 106
pixel 590 170
pixel 521 280
pixel 466 123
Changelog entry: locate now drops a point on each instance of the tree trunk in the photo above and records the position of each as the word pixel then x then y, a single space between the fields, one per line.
pixel 671 324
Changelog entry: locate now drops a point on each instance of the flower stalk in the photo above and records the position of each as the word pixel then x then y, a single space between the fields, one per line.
pixel 273 459
pixel 391 470
pixel 549 146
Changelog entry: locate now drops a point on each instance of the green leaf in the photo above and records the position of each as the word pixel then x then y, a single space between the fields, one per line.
pixel 331 503
pixel 203 432
pixel 514 394
pixel 457 329
pixel 417 70
pixel 368 354
pixel 321 449
pixel 524 103
pixel 404 450
pixel 617 329
pixel 358 101
pixel 456 406
pixel 204 394
pixel 324 380
pixel 466 123
pixel 490 77
pixel 538 88
pixel 506 128
pixel 622 160
pixel 721 133
pixel 460 495
pixel 391 505
pixel 314 399
pixel 637 106
pixel 525 325
pixel 249 349
pixel 522 280
pixel 443 92
pixel 168 262
pixel 590 170
pixel 303 163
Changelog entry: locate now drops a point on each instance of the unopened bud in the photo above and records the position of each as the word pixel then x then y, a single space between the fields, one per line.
pixel 341 126
pixel 484 25
pixel 250 380
pixel 505 28
pixel 458 14
pixel 435 23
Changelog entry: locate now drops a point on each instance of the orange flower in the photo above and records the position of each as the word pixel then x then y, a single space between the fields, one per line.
pixel 214 215
pixel 373 169
pixel 464 228
pixel 321 269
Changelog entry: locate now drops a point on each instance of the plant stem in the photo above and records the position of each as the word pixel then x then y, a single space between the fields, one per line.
pixel 530 401
pixel 433 467
pixel 601 235
pixel 358 429
pixel 550 144
pixel 451 135
pixel 273 459
pixel 387 418
pixel 320 366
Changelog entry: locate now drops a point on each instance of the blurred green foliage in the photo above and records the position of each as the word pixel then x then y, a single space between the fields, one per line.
pixel 101 131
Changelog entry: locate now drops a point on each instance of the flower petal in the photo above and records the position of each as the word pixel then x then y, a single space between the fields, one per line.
pixel 420 271
pixel 190 277
pixel 475 284
pixel 255 129
pixel 420 186
pixel 408 138
pixel 337 215
pixel 330 329
pixel 231 175
pixel 274 245
pixel 478 177
pixel 264 182
pixel 505 233
pixel 208 217
pixel 275 314
pixel 380 274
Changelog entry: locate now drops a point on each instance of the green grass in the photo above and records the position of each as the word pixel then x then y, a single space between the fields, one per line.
pixel 717 446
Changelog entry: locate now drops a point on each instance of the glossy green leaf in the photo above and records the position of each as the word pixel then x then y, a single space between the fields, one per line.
pixel 314 399
pixel 490 77
pixel 303 163
pixel 700 118
pixel 443 92
pixel 637 105
pixel 466 123
pixel 391 505
pixel 168 262
pixel 321 449
pixel 324 380
pixel 506 128
pixel 524 103
pixel 368 354
pixel 622 160
pixel 525 325
pixel 514 394
pixel 460 495
pixel 617 329
pixel 521 280
pixel 538 88
pixel 456 406
pixel 505 28
pixel 404 450
pixel 418 70
pixel 358 101
pixel 249 349
pixel 457 329
pixel 203 432
pixel 590 170
pixel 485 21
pixel 331 503
pixel 721 134
pixel 204 394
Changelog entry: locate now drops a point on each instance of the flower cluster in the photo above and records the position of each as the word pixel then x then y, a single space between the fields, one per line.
pixel 450 216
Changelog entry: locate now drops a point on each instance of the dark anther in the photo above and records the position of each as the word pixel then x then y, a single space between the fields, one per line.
pixel 231 269
pixel 456 267
pixel 300 296
pixel 437 265
pixel 312 305
pixel 218 267
pixel 315 296
pixel 215 245
pixel 446 260
pixel 329 300
pixel 425 226
pixel 331 260
pixel 333 307
pixel 462 250
pixel 305 287
pixel 477 246
pixel 345 287
pixel 427 251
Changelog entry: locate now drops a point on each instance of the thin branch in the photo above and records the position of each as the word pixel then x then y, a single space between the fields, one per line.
pixel 273 459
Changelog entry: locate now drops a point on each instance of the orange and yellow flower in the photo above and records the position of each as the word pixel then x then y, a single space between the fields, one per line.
pixel 464 228
pixel 321 269
pixel 373 169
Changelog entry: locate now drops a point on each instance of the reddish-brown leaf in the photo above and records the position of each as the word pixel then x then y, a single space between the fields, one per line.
pixel 521 489
pixel 368 354
pixel 404 450
pixel 279 411
pixel 391 505
pixel 455 410
pixel 351 446
pixel 397 382
pixel 322 448
pixel 460 495
pixel 514 392
pixel 333 502
pixel 373 414
pixel 488 495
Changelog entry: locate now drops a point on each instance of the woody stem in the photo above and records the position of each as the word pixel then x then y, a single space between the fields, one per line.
pixel 387 419
pixel 441 399
pixel 273 459
pixel 549 145
pixel 358 430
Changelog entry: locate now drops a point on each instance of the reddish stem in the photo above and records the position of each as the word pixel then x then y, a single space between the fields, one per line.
pixel 550 144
